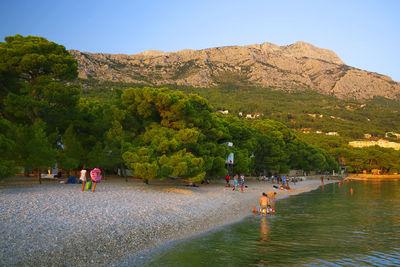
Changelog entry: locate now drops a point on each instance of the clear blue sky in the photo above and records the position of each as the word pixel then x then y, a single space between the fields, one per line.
pixel 365 34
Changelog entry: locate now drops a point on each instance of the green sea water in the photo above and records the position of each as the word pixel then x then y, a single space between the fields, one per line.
pixel 344 224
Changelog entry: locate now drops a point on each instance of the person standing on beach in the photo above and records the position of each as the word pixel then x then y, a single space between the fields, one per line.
pixel 241 182
pixel 235 182
pixel 227 178
pixel 83 177
pixel 284 180
pixel 95 175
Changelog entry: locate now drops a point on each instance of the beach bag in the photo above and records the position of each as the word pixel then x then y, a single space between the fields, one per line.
pixel 88 185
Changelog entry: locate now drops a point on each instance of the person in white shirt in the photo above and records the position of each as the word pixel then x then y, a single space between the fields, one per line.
pixel 83 177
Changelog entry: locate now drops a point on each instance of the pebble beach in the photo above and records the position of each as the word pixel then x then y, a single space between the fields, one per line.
pixel 59 225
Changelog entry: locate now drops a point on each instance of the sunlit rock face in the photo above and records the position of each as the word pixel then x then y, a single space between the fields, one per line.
pixel 297 66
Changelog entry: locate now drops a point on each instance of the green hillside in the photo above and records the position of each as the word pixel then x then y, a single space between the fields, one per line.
pixel 302 110
pixel 309 114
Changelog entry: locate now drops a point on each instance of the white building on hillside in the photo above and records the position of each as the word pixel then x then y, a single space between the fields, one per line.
pixel 381 143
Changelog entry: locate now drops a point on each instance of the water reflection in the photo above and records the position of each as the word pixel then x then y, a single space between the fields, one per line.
pixel 264 229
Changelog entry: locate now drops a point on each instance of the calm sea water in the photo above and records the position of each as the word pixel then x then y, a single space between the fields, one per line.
pixel 343 224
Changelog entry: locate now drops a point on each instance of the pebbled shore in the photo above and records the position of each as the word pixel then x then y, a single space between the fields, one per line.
pixel 58 225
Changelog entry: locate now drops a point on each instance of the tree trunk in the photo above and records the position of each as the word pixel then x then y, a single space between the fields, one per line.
pixel 146 181
pixel 39 176
pixel 123 172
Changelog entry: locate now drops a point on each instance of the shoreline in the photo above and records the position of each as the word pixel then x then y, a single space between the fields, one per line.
pixel 57 224
pixel 373 177
pixel 142 257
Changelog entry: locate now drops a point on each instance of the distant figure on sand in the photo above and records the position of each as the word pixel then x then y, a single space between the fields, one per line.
pixel 235 182
pixel 285 186
pixel 83 177
pixel 284 179
pixel 241 182
pixel 192 184
pixel 227 178
pixel 265 204
pixel 95 175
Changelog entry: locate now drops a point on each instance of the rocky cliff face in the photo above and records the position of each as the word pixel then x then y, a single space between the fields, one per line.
pixel 293 67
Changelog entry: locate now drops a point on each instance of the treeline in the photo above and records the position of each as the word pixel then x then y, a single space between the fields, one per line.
pixel 351 119
pixel 156 132
pixel 357 160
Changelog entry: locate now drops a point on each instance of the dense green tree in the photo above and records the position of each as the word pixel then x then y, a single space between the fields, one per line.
pixel 166 135
pixel 31 70
pixel 34 149
pixel 101 157
pixel 70 150
pixel 34 95
pixel 366 159
pixel 7 146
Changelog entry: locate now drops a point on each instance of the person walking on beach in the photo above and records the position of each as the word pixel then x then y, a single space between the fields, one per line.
pixel 241 182
pixel 235 182
pixel 83 177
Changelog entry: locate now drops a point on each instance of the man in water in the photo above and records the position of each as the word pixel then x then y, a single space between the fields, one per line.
pixel 271 196
pixel 265 204
pixel 272 199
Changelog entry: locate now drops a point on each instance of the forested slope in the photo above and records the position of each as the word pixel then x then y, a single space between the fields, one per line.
pixel 308 114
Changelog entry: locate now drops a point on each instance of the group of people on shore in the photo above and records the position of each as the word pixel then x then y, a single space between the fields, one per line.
pixel 279 179
pixel 235 182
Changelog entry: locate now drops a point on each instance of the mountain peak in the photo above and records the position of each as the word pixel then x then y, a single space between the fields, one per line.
pixel 292 67
pixel 153 53
pixel 303 49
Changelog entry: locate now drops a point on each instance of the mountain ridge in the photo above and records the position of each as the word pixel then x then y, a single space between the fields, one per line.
pixel 297 66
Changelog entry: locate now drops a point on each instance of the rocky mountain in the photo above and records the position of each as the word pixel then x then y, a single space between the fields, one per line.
pixel 293 67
